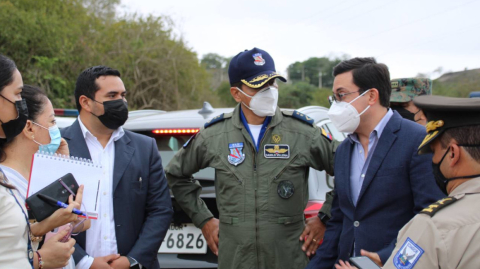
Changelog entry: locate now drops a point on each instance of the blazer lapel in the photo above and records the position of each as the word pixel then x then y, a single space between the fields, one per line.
pixel 123 156
pixel 383 147
pixel 76 141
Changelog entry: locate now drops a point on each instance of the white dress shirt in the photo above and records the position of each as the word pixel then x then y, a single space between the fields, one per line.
pixel 101 239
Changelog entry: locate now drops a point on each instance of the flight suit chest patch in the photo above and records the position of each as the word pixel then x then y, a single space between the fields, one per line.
pixel 236 155
pixel 285 189
pixel 273 151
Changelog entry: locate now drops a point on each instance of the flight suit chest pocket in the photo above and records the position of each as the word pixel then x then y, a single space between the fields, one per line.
pixel 230 192
pixel 288 190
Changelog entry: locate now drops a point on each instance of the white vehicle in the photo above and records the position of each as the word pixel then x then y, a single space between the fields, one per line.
pixel 184 245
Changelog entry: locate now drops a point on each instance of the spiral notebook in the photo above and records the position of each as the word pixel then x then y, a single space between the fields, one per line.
pixel 47 168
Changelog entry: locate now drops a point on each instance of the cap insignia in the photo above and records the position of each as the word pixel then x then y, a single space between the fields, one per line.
pixel 258 59
pixel 434 125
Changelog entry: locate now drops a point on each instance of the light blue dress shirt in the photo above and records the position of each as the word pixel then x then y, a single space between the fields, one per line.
pixel 358 164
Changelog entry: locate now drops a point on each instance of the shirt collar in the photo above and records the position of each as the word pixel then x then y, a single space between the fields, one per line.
pixel 267 121
pixel 469 186
pixel 378 130
pixel 116 135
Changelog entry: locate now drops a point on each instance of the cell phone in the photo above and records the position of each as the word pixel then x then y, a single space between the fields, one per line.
pixel 363 262
pixel 59 229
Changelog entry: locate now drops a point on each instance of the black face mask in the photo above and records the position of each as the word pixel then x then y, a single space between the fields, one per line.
pixel 404 113
pixel 15 127
pixel 440 179
pixel 116 113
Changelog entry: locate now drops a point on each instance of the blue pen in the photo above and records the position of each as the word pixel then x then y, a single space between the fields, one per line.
pixel 50 200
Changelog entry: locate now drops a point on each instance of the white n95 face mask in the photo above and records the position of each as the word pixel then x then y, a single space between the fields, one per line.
pixel 264 103
pixel 344 116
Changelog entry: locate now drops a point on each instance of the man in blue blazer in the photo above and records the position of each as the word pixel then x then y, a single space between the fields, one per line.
pixel 380 180
pixel 134 203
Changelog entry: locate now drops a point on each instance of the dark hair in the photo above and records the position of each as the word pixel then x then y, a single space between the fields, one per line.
pixel 466 135
pixel 36 98
pixel 237 85
pixel 7 67
pixel 367 74
pixel 86 82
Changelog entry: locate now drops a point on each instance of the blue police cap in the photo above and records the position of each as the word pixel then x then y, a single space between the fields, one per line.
pixel 253 68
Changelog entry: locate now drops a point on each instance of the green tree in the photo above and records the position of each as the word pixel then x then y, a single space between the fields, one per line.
pixel 310 70
pixel 295 95
pixel 52 41
pixel 223 92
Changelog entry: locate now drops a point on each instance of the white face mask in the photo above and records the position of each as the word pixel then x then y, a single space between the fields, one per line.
pixel 264 103
pixel 344 116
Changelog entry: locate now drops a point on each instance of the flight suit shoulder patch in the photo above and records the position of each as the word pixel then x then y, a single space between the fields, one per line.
pixel 327 135
pixel 189 140
pixel 217 119
pixel 432 209
pixel 299 116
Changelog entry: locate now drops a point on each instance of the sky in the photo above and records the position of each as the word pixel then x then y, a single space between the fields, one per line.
pixel 410 37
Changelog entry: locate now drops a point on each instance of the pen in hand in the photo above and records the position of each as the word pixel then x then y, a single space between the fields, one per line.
pixel 52 201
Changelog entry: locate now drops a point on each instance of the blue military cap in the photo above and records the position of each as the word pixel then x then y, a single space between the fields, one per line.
pixel 253 68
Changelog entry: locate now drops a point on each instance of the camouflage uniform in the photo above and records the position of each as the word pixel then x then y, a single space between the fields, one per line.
pixel 405 89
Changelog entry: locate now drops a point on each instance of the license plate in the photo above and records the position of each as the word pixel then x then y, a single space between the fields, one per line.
pixel 185 238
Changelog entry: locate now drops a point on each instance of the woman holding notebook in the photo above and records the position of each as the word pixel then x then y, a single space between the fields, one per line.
pixel 16 124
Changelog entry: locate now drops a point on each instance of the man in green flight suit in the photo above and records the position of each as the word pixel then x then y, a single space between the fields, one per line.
pixel 261 157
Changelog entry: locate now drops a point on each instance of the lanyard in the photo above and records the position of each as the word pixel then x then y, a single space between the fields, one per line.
pixel 30 250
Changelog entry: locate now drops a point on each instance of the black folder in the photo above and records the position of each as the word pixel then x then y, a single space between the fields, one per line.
pixel 42 209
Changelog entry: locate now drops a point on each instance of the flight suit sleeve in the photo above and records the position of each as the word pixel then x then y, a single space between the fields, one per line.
pixel 327 205
pixel 419 244
pixel 186 190
pixel 322 152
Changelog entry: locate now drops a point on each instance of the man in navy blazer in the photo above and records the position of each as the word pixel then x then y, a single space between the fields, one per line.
pixel 134 204
pixel 380 180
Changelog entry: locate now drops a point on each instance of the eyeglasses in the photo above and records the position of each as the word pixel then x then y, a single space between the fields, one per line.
pixel 338 97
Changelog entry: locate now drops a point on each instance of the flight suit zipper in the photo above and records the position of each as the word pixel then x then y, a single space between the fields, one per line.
pixel 256 207
pixel 256 198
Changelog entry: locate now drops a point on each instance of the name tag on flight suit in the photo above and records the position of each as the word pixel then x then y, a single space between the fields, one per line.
pixel 272 151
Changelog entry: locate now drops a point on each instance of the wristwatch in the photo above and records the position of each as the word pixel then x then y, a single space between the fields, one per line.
pixel 133 262
pixel 323 217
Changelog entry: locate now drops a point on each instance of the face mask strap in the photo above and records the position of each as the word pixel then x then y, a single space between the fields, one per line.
pixel 7 99
pixel 247 96
pixel 18 112
pixel 360 114
pixel 363 111
pixel 460 177
pixel 38 143
pixel 244 92
pixel 359 96
pixel 40 125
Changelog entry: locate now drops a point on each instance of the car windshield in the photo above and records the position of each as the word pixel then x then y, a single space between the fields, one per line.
pixel 169 145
